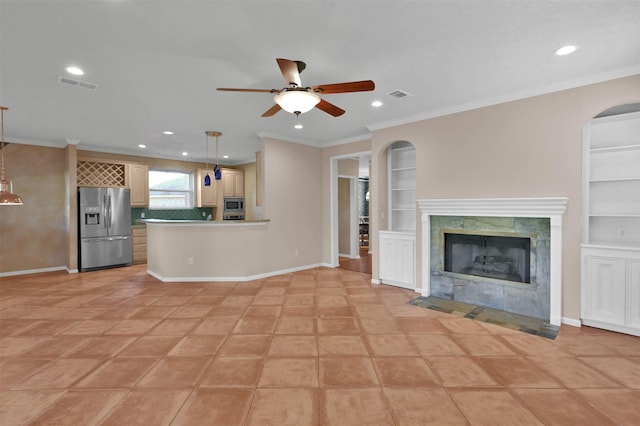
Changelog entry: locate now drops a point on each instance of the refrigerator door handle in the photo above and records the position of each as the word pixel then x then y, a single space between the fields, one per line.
pixel 105 213
pixel 109 224
pixel 100 239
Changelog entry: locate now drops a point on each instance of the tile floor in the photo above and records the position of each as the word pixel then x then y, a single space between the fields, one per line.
pixel 317 347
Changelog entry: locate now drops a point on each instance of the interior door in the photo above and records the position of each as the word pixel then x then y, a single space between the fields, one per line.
pixel 344 216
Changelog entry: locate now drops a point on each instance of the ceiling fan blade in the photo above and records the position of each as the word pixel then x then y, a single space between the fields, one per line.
pixel 330 108
pixel 228 89
pixel 271 111
pixel 354 86
pixel 290 71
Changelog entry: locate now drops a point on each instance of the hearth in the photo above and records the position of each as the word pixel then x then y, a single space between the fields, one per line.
pixel 490 256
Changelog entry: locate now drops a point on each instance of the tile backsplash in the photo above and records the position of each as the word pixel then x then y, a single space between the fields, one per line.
pixel 197 213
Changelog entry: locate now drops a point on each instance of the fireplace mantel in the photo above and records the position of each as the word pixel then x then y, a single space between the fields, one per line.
pixel 550 207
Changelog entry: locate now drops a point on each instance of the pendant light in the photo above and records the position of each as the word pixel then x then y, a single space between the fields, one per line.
pixel 7 197
pixel 216 168
pixel 207 178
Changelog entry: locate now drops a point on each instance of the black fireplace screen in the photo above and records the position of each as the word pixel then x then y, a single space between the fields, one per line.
pixel 504 258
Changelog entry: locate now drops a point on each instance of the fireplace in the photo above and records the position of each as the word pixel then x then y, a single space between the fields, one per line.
pixel 490 256
pixel 539 219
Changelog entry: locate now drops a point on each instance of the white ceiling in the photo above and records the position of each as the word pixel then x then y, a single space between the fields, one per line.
pixel 157 65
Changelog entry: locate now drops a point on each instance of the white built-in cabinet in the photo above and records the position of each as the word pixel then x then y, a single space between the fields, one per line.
pixel 397 253
pixel 611 224
pixel 397 245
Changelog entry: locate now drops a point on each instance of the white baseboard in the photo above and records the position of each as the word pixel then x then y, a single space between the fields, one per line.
pixel 226 279
pixel 572 322
pixel 36 271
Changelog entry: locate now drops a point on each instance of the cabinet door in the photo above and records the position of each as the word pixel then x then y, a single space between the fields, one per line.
pixel 206 195
pixel 228 183
pixel 405 260
pixel 387 259
pixel 633 296
pixel 238 183
pixel 139 185
pixel 605 289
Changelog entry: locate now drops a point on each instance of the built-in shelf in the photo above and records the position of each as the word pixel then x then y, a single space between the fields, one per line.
pixel 402 187
pixel 610 275
pixel 611 188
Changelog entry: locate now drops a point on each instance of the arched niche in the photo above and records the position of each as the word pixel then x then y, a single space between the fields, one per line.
pixel 399 161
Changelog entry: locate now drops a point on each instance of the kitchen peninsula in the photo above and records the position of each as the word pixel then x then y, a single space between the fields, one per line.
pixel 204 250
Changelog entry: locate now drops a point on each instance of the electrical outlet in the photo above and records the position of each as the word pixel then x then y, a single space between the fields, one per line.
pixel 204 214
pixel 190 260
pixel 622 232
pixel 295 253
pixel 142 215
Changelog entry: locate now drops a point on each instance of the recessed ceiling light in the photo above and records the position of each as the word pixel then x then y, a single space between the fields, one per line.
pixel 142 146
pixel 225 156
pixel 376 104
pixel 185 153
pixel 298 126
pixel 167 132
pixel 566 50
pixel 75 70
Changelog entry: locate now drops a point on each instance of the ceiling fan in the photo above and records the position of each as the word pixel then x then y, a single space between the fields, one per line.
pixel 297 99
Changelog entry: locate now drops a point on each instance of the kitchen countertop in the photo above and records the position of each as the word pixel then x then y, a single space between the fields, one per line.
pixel 203 222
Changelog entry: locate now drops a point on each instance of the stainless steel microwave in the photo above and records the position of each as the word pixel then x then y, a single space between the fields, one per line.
pixel 233 206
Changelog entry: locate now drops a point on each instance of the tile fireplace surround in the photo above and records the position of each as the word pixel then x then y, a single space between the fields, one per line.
pixel 552 208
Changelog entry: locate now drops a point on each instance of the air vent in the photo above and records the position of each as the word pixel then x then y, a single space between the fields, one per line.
pixel 399 94
pixel 77 83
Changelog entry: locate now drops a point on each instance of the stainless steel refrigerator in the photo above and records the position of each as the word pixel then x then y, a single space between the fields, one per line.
pixel 104 228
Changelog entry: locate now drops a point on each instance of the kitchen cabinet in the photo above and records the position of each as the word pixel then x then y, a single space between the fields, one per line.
pixel 610 279
pixel 139 243
pixel 397 258
pixel 206 195
pixel 98 173
pixel 138 183
pixel 232 183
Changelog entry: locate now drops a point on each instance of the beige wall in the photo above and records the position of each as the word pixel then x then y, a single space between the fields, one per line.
pixel 525 148
pixel 293 204
pixel 34 236
pixel 252 211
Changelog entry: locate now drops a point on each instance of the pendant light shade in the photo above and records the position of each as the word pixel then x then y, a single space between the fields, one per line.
pixel 217 173
pixel 297 101
pixel 7 197
pixel 207 178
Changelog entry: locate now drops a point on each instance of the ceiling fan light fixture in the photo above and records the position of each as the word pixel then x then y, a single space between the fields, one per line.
pixel 297 101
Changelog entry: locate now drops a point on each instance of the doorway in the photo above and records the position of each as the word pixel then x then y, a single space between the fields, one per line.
pixel 350 223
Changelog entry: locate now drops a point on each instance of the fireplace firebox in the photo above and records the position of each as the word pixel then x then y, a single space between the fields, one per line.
pixel 496 257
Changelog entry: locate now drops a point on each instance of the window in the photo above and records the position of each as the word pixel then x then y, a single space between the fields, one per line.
pixel 170 190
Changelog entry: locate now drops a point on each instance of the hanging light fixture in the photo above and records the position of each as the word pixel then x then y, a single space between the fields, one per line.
pixel 7 197
pixel 297 101
pixel 217 173
pixel 207 178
